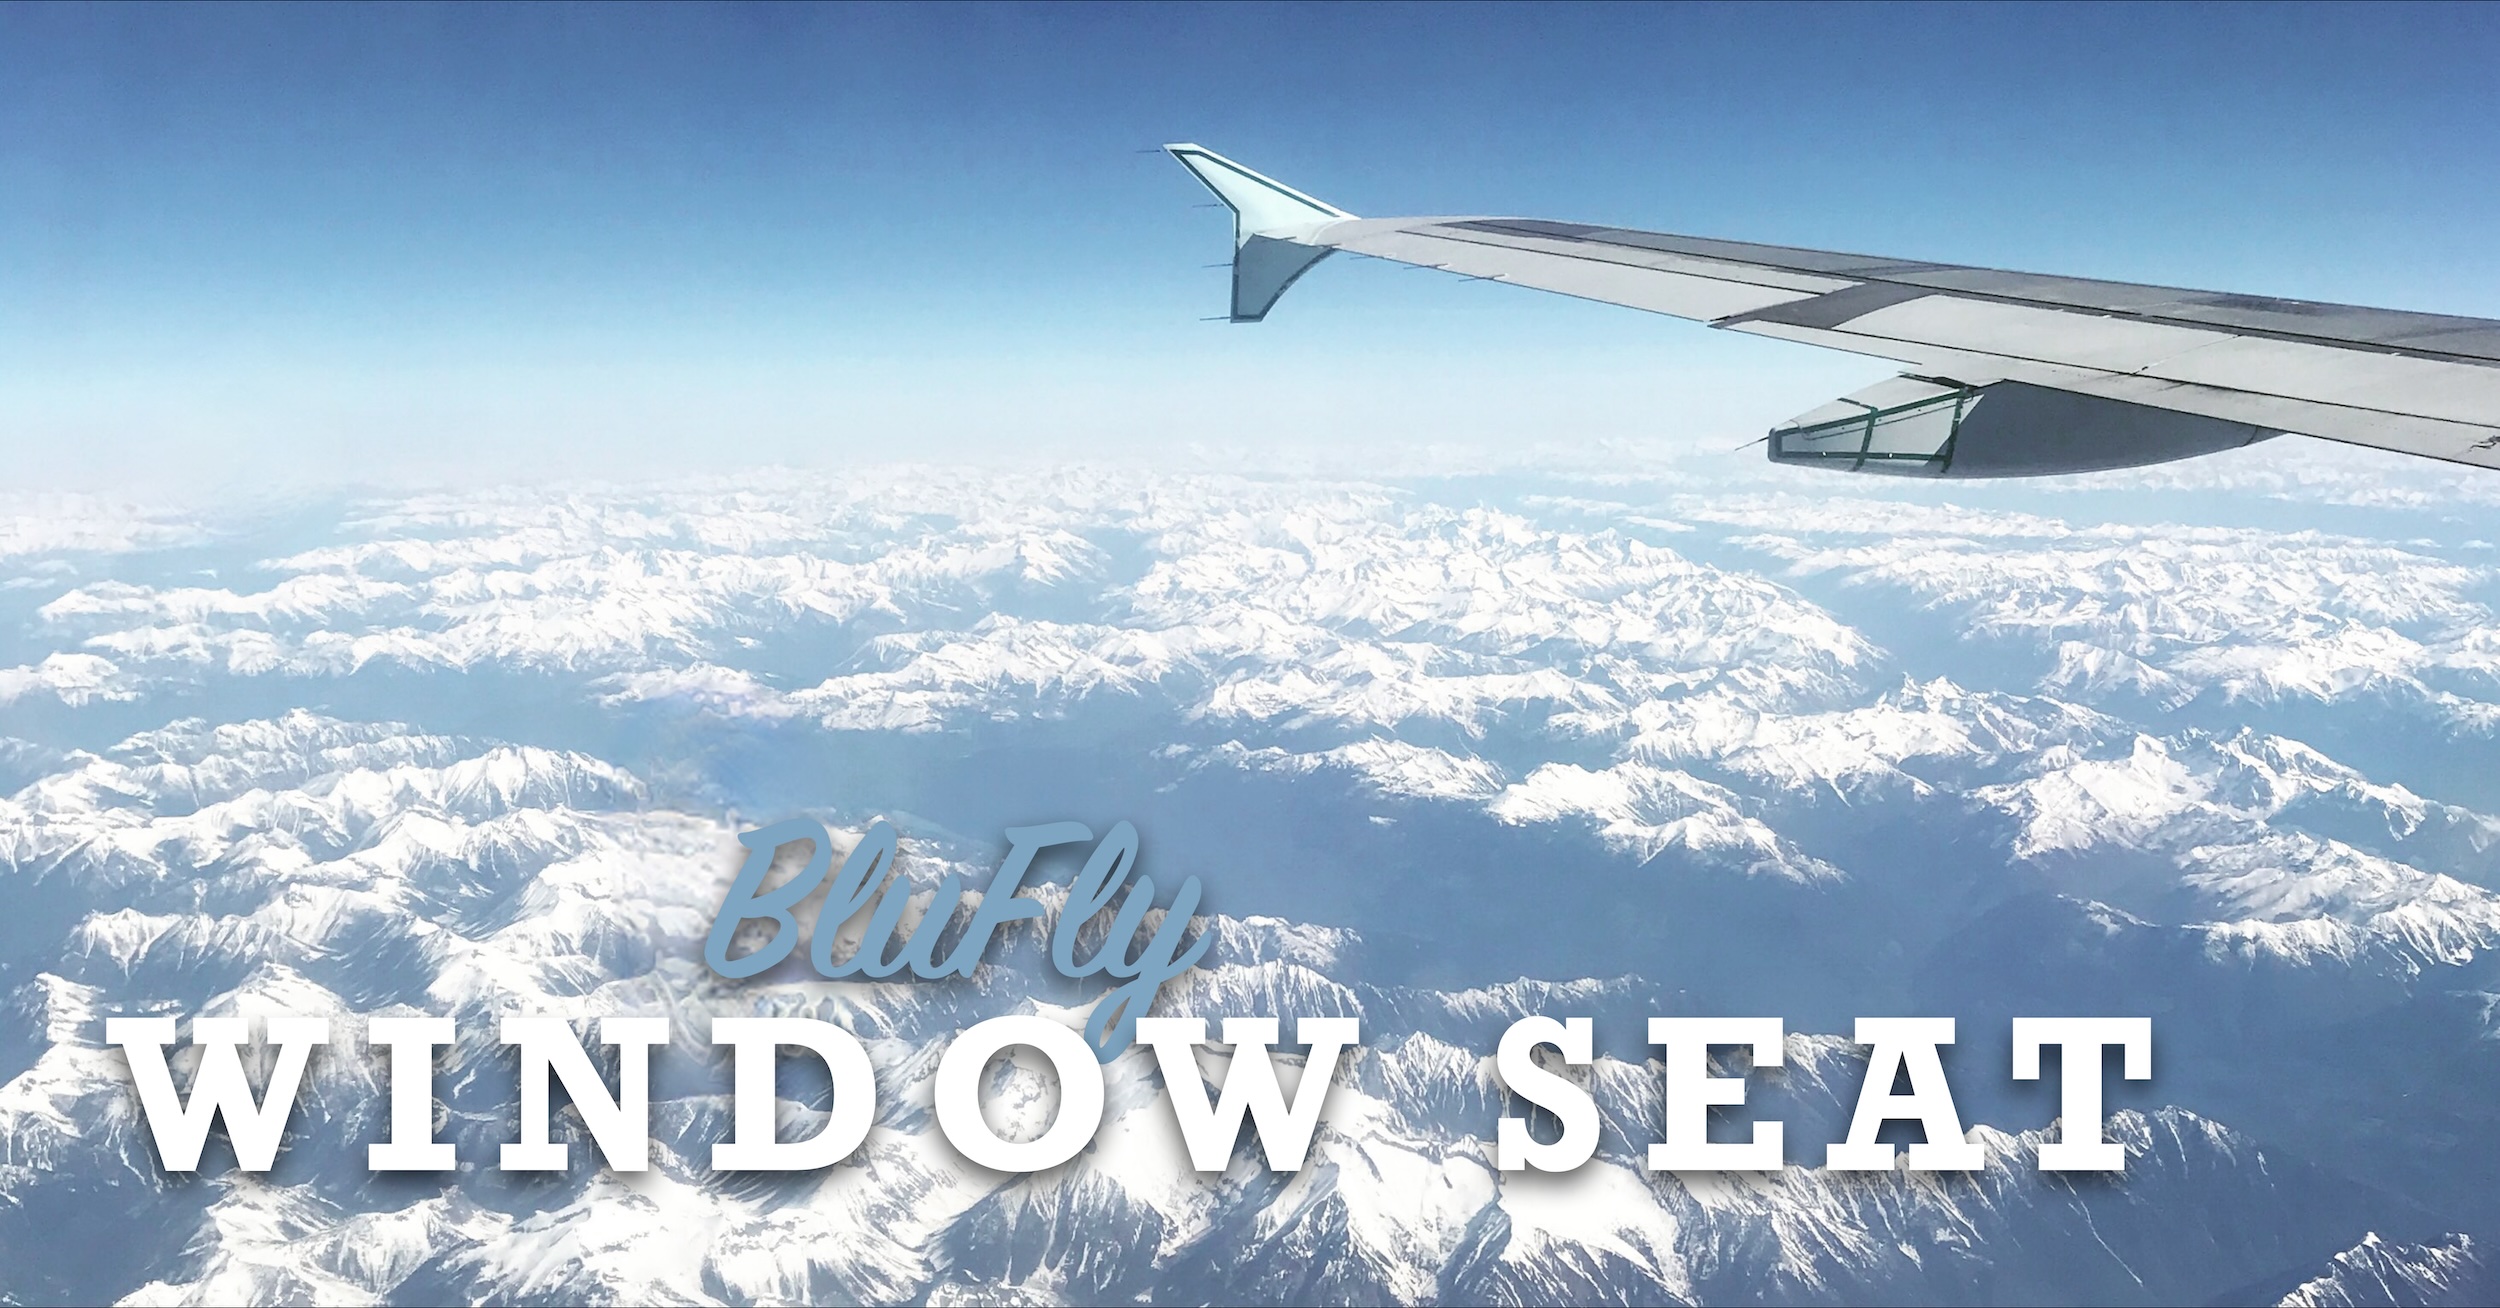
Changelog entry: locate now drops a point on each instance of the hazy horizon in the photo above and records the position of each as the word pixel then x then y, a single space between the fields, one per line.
pixel 269 246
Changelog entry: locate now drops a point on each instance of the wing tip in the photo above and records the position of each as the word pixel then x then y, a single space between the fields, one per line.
pixel 1262 202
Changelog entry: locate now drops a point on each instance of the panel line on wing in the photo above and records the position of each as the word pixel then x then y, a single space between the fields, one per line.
pixel 1712 269
pixel 2389 332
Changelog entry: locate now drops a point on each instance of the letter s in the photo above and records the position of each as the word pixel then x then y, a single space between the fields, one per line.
pixel 1515 1149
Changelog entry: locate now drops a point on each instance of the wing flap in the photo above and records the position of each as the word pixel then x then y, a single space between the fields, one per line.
pixel 1945 334
pixel 2015 331
pixel 2389 382
pixel 2405 433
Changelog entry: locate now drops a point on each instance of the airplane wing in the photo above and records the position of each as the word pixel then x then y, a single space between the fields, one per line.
pixel 2008 374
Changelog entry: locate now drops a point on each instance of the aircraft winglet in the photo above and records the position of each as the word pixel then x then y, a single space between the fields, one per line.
pixel 1269 221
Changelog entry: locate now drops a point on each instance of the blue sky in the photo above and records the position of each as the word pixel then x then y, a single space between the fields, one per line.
pixel 448 243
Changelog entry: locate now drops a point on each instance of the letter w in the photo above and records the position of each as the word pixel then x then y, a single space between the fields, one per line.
pixel 220 1088
pixel 1250 1087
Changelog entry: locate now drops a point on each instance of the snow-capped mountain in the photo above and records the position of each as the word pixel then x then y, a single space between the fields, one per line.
pixel 1446 752
pixel 2374 1272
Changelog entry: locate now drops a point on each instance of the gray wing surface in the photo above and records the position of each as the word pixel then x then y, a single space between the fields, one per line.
pixel 2419 383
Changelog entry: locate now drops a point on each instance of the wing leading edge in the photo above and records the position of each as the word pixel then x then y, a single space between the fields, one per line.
pixel 2008 373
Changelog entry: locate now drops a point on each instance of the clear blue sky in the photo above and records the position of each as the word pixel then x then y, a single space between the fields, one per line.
pixel 303 243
